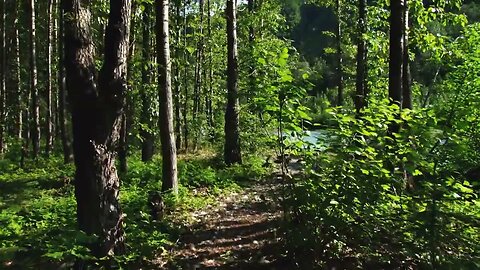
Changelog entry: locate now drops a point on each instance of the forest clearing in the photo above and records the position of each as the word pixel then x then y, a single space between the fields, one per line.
pixel 251 134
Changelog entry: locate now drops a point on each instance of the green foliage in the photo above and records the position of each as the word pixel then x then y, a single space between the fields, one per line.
pixel 393 199
pixel 38 208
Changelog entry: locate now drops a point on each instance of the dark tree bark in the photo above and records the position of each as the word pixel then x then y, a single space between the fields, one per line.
pixel 62 119
pixel 395 82
pixel 49 116
pixel 167 137
pixel 146 114
pixel 35 103
pixel 96 119
pixel 361 80
pixel 232 152
pixel 407 77
pixel 339 54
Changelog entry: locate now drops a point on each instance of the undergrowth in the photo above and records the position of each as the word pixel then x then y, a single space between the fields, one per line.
pixel 38 209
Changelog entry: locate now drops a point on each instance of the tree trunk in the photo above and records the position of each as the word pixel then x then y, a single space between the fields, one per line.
pixel 35 103
pixel 396 52
pixel 64 135
pixel 128 114
pixel 185 80
pixel 96 118
pixel 17 72
pixel 339 55
pixel 3 70
pixel 407 77
pixel 177 81
pixel 361 80
pixel 146 114
pixel 197 92
pixel 232 152
pixel 169 153
pixel 48 117
pixel 209 96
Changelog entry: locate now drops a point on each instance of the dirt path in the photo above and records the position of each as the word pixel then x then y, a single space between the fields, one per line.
pixel 242 232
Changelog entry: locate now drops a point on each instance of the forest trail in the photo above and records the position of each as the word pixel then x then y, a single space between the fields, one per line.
pixel 241 232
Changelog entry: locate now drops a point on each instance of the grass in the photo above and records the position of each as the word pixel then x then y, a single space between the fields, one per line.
pixel 38 219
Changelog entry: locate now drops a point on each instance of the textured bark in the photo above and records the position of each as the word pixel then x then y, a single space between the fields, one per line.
pixel 96 118
pixel 339 54
pixel 361 79
pixel 167 137
pixel 35 103
pixel 49 115
pixel 396 51
pixel 62 100
pixel 129 111
pixel 407 77
pixel 146 114
pixel 232 152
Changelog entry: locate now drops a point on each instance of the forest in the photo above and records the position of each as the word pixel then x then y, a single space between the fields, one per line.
pixel 240 134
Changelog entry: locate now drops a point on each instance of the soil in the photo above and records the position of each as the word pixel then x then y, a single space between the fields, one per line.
pixel 241 232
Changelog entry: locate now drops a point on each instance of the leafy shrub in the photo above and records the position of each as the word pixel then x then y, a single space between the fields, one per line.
pixel 386 199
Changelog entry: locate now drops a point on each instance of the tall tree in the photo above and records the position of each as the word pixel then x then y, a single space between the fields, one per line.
pixel 167 137
pixel 17 77
pixel 146 120
pixel 396 51
pixel 361 79
pixel 339 53
pixel 177 77
pixel 209 95
pixel 186 128
pixel 49 115
pixel 62 119
pixel 96 118
pixel 232 152
pixel 407 77
pixel 35 102
pixel 3 70
pixel 197 89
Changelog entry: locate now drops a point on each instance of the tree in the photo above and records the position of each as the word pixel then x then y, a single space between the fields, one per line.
pixel 146 113
pixel 96 119
pixel 49 116
pixel 177 81
pixel 62 119
pixel 167 137
pixel 232 152
pixel 338 43
pixel 35 102
pixel 395 82
pixel 361 79
pixel 3 90
pixel 197 89
pixel 407 79
pixel 17 77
